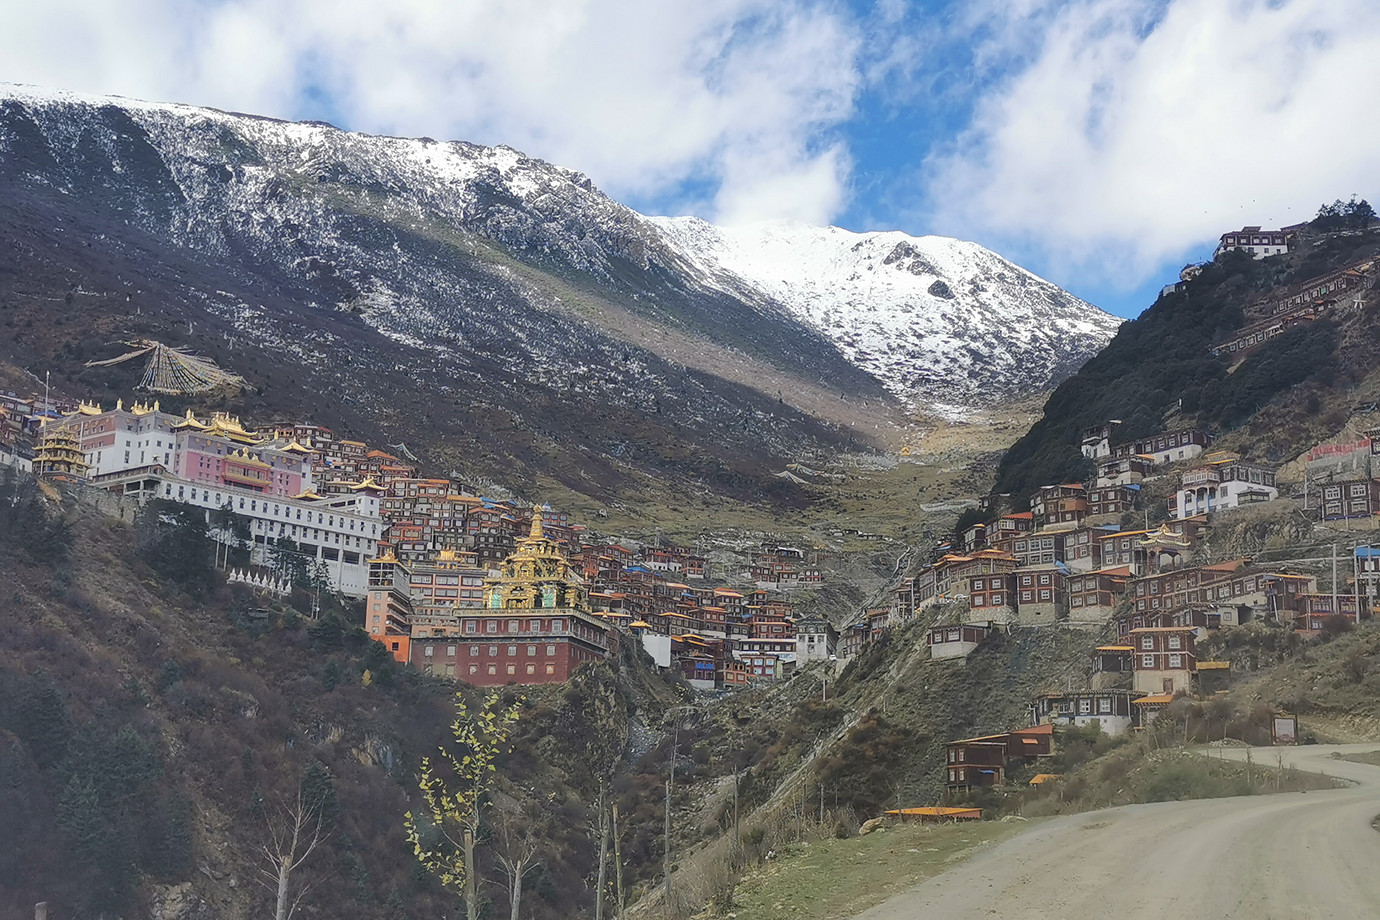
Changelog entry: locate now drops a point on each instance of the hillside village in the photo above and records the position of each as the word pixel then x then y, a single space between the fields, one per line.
pixel 422 554
pixel 498 592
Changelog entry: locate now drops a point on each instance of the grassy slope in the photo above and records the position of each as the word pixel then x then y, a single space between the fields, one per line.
pixel 1331 685
pixel 1370 757
pixel 832 879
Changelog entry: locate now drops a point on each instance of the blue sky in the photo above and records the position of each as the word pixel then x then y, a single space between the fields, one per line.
pixel 1099 143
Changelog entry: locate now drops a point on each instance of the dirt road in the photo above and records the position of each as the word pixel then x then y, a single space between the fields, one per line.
pixel 1292 856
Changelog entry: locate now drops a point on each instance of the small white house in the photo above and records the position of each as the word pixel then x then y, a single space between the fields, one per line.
pixel 1220 485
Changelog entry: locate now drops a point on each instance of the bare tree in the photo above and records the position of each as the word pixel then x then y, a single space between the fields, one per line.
pixel 294 833
pixel 517 857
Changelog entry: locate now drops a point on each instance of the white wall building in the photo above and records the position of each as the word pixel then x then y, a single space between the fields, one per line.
pixel 1259 243
pixel 342 532
pixel 1221 486
pixel 815 639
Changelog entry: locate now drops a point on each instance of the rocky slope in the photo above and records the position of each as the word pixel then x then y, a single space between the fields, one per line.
pixel 537 327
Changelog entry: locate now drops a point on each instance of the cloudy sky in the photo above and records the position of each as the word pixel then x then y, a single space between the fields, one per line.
pixel 1101 143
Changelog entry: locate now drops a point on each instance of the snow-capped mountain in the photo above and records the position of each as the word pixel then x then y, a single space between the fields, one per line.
pixel 930 317
pixel 508 293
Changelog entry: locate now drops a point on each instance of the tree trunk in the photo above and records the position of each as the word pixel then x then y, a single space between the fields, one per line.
pixel 280 912
pixel 603 852
pixel 515 895
pixel 471 898
pixel 617 866
pixel 666 870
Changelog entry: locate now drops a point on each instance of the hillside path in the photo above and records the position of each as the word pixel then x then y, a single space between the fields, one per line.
pixel 1288 856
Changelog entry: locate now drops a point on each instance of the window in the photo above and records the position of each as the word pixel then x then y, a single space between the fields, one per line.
pixel 1176 642
pixel 493 651
pixel 1147 661
pixel 1176 661
pixel 1104 705
pixel 429 651
pixel 551 651
pixel 1084 706
pixel 450 651
pixel 474 652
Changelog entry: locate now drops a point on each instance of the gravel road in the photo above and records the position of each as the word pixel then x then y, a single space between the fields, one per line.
pixel 1291 856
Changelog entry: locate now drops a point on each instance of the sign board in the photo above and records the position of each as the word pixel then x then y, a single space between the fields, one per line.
pixel 1351 460
pixel 1284 729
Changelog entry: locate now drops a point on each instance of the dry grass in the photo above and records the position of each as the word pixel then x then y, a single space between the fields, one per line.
pixel 833 879
pixel 1370 757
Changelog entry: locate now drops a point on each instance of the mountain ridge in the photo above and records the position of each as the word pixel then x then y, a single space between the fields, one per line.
pixel 935 319
pixel 480 278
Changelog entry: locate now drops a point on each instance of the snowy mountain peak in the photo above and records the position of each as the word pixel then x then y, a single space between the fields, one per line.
pixel 933 318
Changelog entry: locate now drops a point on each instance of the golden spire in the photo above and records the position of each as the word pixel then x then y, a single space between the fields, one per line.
pixel 536 533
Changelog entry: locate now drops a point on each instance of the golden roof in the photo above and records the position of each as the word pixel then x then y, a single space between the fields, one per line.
pixel 223 423
pixel 536 575
pixel 243 458
pixel 191 421
pixel 1159 699
pixel 938 811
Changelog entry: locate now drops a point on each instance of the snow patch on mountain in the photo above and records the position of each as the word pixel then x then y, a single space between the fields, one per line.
pixel 933 318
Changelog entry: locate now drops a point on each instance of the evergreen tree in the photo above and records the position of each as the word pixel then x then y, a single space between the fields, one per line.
pixel 176 543
pixel 317 788
pixel 42 720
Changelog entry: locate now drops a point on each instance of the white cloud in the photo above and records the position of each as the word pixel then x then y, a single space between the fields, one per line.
pixel 646 96
pixel 1131 130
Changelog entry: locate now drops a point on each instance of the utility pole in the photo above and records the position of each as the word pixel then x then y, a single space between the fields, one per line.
pixel 1335 611
pixel 678 712
pixel 617 866
pixel 603 852
pixel 666 857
